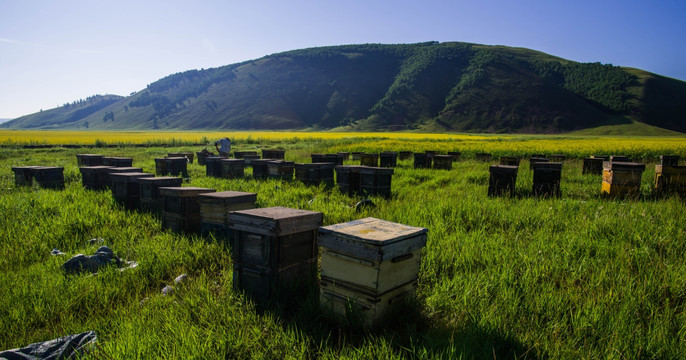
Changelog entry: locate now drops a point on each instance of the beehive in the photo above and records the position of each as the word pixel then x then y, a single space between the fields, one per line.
pixel 547 179
pixel 94 177
pixel 404 155
pixel 23 175
pixel 202 155
pixel 50 177
pixel 502 180
pixel 422 161
pixel 443 162
pixel 117 161
pixel 315 173
pixel 344 154
pixel 274 249
pixel 669 160
pixel 150 193
pixel 215 210
pixel 89 159
pixel 188 155
pixel 260 169
pixel 388 159
pixel 330 158
pixel 241 154
pixel 348 179
pixel 364 261
pixel 509 160
pixel 232 168
pixel 176 166
pixel 375 181
pixel 619 158
pixel 356 155
pixel 279 169
pixel 593 166
pixel 558 158
pixel 534 160
pixel 369 160
pixel 455 154
pixel 670 179
pixel 181 208
pixel 213 166
pixel 622 179
pixel 483 157
pixel 126 190
pixel 250 158
pixel 274 154
pixel 118 170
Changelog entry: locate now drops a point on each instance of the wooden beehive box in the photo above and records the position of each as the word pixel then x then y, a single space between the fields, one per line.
pixel 89 159
pixel 534 160
pixel 188 155
pixel 593 166
pixel 619 158
pixel 279 169
pixel 330 158
pixel 260 169
pixel 215 207
pixel 370 255
pixel 213 166
pixel 422 161
pixel 547 179
pixel 670 179
pixel 376 181
pixel 509 160
pixel 126 190
pixel 150 193
pixel 202 155
pixel 315 173
pixel 181 208
pixel 241 154
pixel 456 155
pixel 622 179
pixel 348 179
pixel 161 167
pixel 483 157
pixel 669 160
pixel 94 177
pixel 404 155
pixel 232 168
pixel 23 175
pixel 274 154
pixel 388 159
pixel 502 180
pixel 443 162
pixel 371 160
pixel 344 154
pixel 176 166
pixel 558 158
pixel 274 248
pixel 117 161
pixel 250 158
pixel 356 155
pixel 50 177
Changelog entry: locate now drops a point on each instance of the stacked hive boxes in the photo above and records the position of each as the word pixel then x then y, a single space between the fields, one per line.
pixel 125 188
pixel 622 179
pixel 94 177
pixel 119 170
pixel 232 168
pixel 274 154
pixel 241 154
pixel 593 165
pixel 215 209
pixel 547 178
pixel 669 176
pixel 187 155
pixel 369 265
pixel 260 168
pixel 422 161
pixel 279 169
pixel 388 159
pixel 274 250
pixel 213 166
pixel 502 180
pixel 150 193
pixel 117 161
pixel 202 155
pixel 348 178
pixel 89 159
pixel 376 181
pixel 181 208
pixel 315 173
pixel 50 177
pixel 533 160
pixel 443 162
pixel 330 158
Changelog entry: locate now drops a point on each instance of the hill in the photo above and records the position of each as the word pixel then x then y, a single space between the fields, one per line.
pixel 428 86
pixel 68 116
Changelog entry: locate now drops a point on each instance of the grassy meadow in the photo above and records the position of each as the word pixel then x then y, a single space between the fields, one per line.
pixel 580 276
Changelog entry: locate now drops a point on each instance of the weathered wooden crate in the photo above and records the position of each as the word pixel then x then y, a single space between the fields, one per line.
pixel 315 173
pixel 348 179
pixel 619 158
pixel 50 177
pixel 670 179
pixel 219 232
pixel 344 154
pixel 330 158
pixel 483 157
pixel 176 166
pixel 279 169
pixel 94 177
pixel 161 166
pixel 241 154
pixel 502 180
pixel 455 154
pixel 404 155
pixel 443 162
pixel 274 154
pixel 23 175
pixel 593 166
pixel 274 248
pixel 422 161
pixel 376 181
pixel 150 193
pixel 126 189
pixel 547 179
pixel 622 179
pixel 188 155
pixel 371 160
pixel 232 168
pixel 557 158
pixel 509 160
pixel 260 168
pixel 213 166
pixel 117 161
pixel 534 160
pixel 388 159
pixel 370 255
pixel 356 155
pixel 669 160
pixel 250 158
pixel 369 310
pixel 89 159
pixel 118 170
pixel 215 207
pixel 202 155
pixel 181 208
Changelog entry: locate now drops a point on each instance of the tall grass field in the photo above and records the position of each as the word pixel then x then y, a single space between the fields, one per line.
pixel 523 277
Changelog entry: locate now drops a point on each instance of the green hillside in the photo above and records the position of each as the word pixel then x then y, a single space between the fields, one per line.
pixel 436 86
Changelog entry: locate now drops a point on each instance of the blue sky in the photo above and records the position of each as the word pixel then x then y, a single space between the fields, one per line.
pixel 53 52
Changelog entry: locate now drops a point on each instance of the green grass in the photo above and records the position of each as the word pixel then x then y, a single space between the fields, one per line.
pixel 579 276
pixel 633 129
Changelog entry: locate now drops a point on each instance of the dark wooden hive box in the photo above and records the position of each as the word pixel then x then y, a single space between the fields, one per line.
pixel 241 154
pixel 181 208
pixel 348 179
pixel 273 154
pixel 547 179
pixel 622 179
pixel 89 159
pixel 215 207
pixel 117 161
pixel 443 162
pixel 94 177
pixel 502 180
pixel 404 155
pixel 670 179
pixel 213 166
pixel 125 188
pixel 371 160
pixel 149 191
pixel 187 155
pixel 315 173
pixel 232 168
pixel 422 161
pixel 279 169
pixel 388 159
pixel 376 181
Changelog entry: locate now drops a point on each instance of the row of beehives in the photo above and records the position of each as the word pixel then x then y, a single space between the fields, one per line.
pixel 621 176
pixel 369 264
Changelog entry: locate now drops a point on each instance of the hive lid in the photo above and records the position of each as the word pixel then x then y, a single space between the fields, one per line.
pixel 621 165
pixel 125 169
pixel 373 231
pixel 503 168
pixel 232 197
pixel 275 220
pixel 95 168
pixel 547 165
pixel 183 191
pixel 130 175
pixel 376 170
pixel 161 179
